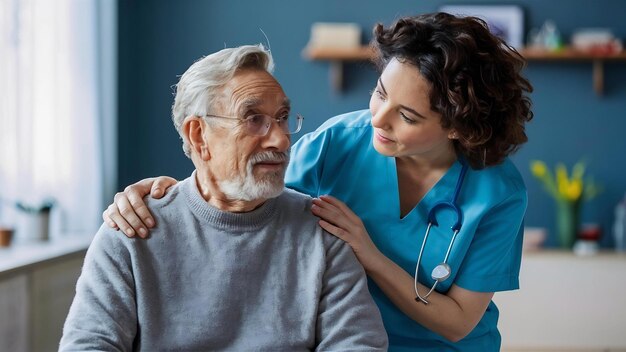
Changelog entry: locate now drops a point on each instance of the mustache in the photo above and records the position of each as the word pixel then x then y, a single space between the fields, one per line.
pixel 270 156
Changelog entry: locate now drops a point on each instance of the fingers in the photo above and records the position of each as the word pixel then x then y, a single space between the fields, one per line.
pixel 142 187
pixel 139 207
pixel 336 203
pixel 161 185
pixel 338 206
pixel 334 230
pixel 108 220
pixel 326 211
pixel 129 212
pixel 122 212
pixel 114 215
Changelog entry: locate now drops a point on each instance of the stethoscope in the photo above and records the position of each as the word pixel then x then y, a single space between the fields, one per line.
pixel 442 271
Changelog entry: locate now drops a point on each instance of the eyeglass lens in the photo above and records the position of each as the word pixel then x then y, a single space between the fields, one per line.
pixel 260 124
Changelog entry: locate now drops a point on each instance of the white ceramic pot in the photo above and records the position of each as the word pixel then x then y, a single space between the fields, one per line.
pixel 33 226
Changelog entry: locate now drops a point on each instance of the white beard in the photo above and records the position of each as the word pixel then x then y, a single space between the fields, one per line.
pixel 248 188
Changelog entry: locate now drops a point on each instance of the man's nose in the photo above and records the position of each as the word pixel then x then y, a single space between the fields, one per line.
pixel 276 138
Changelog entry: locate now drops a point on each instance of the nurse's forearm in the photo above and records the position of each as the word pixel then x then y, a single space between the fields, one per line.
pixel 452 315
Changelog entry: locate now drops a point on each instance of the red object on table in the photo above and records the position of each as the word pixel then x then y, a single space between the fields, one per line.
pixel 590 233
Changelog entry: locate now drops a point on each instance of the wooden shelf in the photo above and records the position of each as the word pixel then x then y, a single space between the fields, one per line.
pixel 343 54
pixel 569 55
pixel 338 56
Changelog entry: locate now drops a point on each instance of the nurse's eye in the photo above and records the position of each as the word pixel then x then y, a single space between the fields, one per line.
pixel 377 93
pixel 407 119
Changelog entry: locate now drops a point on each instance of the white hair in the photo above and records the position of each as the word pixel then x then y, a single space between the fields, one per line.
pixel 198 88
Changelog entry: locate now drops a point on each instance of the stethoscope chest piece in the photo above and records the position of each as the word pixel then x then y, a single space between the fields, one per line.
pixel 441 272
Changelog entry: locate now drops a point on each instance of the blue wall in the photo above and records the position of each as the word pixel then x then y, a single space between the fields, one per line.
pixel 159 39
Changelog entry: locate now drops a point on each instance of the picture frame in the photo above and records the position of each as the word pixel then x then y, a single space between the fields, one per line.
pixel 505 21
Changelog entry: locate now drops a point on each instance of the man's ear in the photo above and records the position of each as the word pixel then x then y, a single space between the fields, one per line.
pixel 194 129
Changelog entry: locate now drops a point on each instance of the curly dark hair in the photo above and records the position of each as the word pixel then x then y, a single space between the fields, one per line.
pixel 475 77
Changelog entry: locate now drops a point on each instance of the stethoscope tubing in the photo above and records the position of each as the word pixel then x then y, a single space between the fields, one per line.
pixel 456 228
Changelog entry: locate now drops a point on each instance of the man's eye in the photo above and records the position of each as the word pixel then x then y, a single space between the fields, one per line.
pixel 283 118
pixel 255 119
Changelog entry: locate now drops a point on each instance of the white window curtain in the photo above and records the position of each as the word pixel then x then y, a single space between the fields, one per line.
pixel 52 109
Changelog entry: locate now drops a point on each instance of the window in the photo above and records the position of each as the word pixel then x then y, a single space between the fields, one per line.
pixel 57 108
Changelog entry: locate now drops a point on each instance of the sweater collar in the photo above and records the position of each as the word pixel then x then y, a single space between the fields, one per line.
pixel 224 219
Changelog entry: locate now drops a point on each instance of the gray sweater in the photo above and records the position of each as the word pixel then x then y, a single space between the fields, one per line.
pixel 270 279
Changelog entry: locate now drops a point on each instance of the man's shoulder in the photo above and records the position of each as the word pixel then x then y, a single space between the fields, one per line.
pixel 294 210
pixel 164 210
pixel 295 201
pixel 110 243
pixel 299 206
pixel 162 204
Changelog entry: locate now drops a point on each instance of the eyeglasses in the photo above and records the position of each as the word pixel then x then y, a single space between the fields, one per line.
pixel 259 124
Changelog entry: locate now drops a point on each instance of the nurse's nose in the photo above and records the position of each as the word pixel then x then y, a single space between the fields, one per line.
pixel 381 117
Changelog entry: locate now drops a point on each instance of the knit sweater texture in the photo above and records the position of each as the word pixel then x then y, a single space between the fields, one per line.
pixel 266 280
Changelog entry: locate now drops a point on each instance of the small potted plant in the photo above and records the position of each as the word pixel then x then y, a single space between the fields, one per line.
pixel 34 220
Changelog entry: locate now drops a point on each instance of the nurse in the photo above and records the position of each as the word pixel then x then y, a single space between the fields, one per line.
pixel 449 94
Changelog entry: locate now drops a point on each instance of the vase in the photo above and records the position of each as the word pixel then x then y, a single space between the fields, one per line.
pixel 567 222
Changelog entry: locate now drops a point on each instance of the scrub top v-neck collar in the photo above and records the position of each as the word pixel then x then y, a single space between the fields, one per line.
pixel 441 190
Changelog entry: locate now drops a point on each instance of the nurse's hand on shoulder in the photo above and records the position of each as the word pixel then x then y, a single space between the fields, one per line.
pixel 129 212
pixel 338 219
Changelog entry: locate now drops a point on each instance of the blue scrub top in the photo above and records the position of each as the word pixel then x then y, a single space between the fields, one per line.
pixel 339 159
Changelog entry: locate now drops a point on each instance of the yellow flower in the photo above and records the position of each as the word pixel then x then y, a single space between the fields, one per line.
pixel 561 186
pixel 574 190
pixel 538 168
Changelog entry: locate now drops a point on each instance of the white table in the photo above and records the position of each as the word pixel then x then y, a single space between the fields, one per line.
pixel 566 303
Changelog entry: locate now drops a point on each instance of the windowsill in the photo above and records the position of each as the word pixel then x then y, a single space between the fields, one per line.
pixel 19 256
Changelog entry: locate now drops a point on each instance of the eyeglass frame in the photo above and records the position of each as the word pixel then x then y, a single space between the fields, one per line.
pixel 278 121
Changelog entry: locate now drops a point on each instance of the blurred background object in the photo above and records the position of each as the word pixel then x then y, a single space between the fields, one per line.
pixel 335 35
pixel 599 41
pixel 504 21
pixel 33 221
pixel 548 37
pixel 534 238
pixel 6 235
pixel 619 226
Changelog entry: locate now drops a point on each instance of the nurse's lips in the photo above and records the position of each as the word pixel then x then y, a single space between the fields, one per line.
pixel 381 138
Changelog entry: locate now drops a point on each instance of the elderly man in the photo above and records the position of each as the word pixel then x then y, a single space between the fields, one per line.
pixel 237 262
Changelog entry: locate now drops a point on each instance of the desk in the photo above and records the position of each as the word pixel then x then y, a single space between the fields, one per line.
pixel 566 302
pixel 37 285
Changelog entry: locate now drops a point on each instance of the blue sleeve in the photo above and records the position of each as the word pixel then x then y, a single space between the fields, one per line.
pixel 494 257
pixel 307 162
